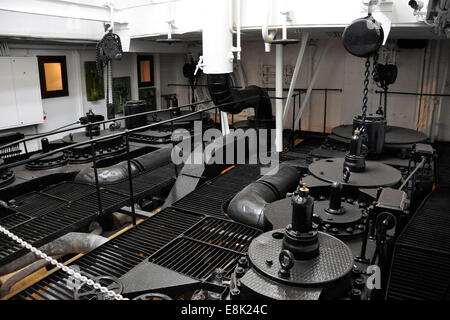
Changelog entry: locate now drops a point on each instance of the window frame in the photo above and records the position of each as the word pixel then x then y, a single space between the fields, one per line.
pixel 150 83
pixel 45 94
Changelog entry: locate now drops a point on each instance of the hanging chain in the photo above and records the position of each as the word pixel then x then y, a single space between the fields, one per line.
pixel 78 276
pixel 375 66
pixel 365 92
pixel 107 84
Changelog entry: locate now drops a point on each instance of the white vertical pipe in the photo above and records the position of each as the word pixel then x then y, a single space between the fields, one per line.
pixel 301 53
pixel 285 16
pixel 267 36
pixel 313 80
pixel 238 29
pixel 224 123
pixel 217 38
pixel 279 102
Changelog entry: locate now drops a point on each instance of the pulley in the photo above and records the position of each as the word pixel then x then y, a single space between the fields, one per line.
pixel 363 37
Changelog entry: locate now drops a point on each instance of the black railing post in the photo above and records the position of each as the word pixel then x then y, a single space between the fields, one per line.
pixel 97 185
pixel 385 102
pixel 130 176
pixel 25 147
pixel 293 121
pixel 325 111
pixel 299 120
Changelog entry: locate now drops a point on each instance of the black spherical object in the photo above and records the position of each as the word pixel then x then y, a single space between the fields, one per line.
pixel 363 37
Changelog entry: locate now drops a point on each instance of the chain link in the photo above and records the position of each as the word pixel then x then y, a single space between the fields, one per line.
pixel 66 269
pixel 365 92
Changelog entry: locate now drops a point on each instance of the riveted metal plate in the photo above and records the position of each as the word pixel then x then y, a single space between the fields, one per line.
pixel 333 263
pixel 375 175
pixel 274 290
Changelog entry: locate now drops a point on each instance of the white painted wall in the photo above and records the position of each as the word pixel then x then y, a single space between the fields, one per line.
pixel 82 20
pixel 121 68
pixel 344 71
pixel 61 111
pixel 58 111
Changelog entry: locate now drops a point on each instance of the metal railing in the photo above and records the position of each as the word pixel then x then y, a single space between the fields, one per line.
pixel 125 133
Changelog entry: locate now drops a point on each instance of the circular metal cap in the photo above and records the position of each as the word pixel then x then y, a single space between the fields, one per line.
pixel 334 261
pixel 375 175
pixel 394 135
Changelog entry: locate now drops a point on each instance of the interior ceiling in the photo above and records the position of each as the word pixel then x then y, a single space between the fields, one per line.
pixel 322 33
pixel 247 35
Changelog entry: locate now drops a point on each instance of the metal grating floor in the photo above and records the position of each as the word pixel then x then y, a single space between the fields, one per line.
pixel 183 241
pixel 70 191
pixel 223 233
pixel 41 217
pixel 196 259
pixel 422 253
pixel 146 183
pixel 35 204
pixel 209 198
pixel 118 256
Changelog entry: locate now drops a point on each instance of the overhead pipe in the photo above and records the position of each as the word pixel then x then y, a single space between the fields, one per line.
pixel 249 204
pixel 313 80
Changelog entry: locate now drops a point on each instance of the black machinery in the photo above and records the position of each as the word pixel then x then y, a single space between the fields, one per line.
pixel 296 262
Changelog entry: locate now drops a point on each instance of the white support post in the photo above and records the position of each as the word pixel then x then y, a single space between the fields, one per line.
pixel 313 80
pixel 224 123
pixel 301 53
pixel 279 102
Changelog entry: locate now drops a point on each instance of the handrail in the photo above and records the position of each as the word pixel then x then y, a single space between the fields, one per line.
pixel 90 124
pixel 113 135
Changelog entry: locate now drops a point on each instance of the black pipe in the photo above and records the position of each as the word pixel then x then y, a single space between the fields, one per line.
pixel 249 204
pixel 219 86
pixel 121 171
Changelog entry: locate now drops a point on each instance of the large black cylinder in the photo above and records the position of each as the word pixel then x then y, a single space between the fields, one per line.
pixel 302 212
pixel 300 239
pixel 375 131
pixel 335 206
pixel 134 107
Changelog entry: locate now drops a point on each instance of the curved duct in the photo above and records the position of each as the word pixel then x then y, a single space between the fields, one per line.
pixel 119 172
pixel 217 64
pixel 249 204
pixel 219 86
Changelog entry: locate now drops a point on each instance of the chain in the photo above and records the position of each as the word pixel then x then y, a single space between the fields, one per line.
pixel 365 92
pixel 66 269
pixel 375 65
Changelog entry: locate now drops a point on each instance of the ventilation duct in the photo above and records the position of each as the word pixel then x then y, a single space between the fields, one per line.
pixel 217 63
pixel 249 204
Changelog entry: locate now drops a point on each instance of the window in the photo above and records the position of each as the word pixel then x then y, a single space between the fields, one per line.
pixel 145 71
pixel 53 76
